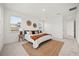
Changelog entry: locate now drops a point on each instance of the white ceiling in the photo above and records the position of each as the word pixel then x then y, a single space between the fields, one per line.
pixel 35 9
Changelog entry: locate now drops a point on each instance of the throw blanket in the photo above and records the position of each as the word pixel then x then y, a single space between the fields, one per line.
pixel 38 36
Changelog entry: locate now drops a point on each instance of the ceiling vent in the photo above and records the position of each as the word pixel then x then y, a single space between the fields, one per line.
pixel 74 8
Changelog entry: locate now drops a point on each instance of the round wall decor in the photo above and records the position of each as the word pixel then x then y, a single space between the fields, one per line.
pixel 34 25
pixel 29 23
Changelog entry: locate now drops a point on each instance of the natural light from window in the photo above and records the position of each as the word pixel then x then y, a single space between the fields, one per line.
pixel 15 23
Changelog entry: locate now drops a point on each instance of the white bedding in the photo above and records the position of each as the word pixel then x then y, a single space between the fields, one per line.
pixel 38 41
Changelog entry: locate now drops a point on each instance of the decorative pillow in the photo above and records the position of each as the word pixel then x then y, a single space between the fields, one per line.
pixel 33 32
pixel 25 32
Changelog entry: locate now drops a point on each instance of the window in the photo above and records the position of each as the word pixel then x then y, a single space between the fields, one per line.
pixel 15 23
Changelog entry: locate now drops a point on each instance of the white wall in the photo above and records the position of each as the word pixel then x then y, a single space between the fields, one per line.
pixel 70 28
pixel 54 26
pixel 1 26
pixel 10 36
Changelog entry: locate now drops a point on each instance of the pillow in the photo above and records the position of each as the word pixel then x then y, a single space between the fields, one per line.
pixel 40 31
pixel 25 32
pixel 33 32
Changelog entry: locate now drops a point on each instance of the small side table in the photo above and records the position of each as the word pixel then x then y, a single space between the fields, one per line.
pixel 21 36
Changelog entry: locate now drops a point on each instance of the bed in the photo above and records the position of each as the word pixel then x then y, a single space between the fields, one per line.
pixel 37 39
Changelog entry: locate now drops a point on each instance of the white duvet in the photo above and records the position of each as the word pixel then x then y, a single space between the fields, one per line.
pixel 38 41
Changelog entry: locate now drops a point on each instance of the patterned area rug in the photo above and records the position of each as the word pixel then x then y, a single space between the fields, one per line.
pixel 48 48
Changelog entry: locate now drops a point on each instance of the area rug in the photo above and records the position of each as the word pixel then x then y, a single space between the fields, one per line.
pixel 48 48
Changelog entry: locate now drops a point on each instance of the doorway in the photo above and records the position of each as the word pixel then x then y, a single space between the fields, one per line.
pixel 69 25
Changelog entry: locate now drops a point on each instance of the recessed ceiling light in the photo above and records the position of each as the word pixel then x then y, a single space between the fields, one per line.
pixel 43 9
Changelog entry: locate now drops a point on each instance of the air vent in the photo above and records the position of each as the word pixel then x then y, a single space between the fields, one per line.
pixel 74 8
